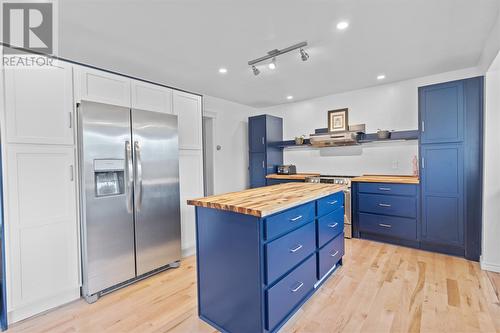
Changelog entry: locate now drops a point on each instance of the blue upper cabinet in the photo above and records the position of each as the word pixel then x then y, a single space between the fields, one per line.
pixel 257 134
pixel 442 112
pixel 264 130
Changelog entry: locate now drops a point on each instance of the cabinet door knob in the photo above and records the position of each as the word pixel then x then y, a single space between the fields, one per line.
pixel 333 225
pixel 384 205
pixel 384 188
pixel 296 218
pixel 334 254
pixel 385 225
pixel 333 202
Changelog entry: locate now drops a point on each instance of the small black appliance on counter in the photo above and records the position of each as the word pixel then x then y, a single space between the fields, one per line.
pixel 289 169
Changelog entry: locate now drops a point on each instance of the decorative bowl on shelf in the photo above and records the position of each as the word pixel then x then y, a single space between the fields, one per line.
pixel 299 140
pixel 383 134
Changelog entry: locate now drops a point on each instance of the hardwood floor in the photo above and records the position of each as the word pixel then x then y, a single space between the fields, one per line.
pixel 380 288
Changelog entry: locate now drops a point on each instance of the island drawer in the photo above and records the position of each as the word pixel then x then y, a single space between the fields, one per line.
pixel 281 223
pixel 330 203
pixel 330 225
pixel 287 293
pixel 388 205
pixel 386 188
pixel 285 252
pixel 388 226
pixel 330 255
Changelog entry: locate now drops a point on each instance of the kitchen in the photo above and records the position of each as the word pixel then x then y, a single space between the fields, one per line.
pixel 234 186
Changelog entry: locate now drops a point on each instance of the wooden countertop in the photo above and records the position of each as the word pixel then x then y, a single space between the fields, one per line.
pixel 267 200
pixel 387 179
pixel 297 176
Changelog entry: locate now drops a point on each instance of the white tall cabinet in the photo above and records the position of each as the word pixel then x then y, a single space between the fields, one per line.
pixel 40 190
pixel 39 153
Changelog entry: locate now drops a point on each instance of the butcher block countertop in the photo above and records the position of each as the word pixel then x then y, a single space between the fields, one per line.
pixel 387 179
pixel 297 176
pixel 263 201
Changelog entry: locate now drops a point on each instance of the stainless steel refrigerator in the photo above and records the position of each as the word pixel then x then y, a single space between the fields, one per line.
pixel 129 180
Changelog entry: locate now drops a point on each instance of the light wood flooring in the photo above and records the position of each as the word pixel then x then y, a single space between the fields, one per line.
pixel 380 288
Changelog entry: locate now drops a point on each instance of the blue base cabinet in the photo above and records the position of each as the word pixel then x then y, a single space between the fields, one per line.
pixel 255 273
pixel 264 159
pixel 387 212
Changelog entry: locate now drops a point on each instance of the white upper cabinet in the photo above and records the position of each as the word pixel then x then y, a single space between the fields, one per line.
pixel 39 105
pixel 188 108
pixel 99 86
pixel 150 97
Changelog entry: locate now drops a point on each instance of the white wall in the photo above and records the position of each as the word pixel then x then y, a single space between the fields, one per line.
pixel 392 106
pixel 491 189
pixel 231 133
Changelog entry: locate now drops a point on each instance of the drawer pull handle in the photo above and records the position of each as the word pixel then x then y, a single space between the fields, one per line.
pixel 384 188
pixel 384 205
pixel 333 225
pixel 298 287
pixel 333 202
pixel 296 249
pixel 333 255
pixel 385 225
pixel 296 218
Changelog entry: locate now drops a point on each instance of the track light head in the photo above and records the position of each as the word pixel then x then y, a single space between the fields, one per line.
pixel 272 64
pixel 304 55
pixel 255 71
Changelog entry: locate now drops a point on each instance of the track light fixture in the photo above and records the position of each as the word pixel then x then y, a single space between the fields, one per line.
pixel 275 53
pixel 303 55
pixel 255 71
pixel 272 64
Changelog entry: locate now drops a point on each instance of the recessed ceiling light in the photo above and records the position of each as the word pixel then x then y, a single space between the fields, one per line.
pixel 289 97
pixel 223 70
pixel 342 25
pixel 381 77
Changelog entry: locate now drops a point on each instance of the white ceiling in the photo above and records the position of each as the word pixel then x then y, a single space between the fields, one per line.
pixel 183 43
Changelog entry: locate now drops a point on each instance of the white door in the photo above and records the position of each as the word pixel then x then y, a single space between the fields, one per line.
pixel 99 86
pixel 39 105
pixel 188 108
pixel 41 210
pixel 191 186
pixel 150 97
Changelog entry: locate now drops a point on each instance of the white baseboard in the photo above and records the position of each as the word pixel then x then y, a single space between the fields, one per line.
pixel 189 251
pixel 38 307
pixel 486 266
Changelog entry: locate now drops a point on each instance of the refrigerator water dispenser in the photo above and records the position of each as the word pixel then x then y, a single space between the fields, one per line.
pixel 109 177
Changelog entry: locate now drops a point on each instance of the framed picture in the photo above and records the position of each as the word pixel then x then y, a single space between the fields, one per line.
pixel 338 120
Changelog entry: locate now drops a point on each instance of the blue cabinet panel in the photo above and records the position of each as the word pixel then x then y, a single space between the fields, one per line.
pixel 330 255
pixel 442 112
pixel 281 223
pixel 388 189
pixel 257 170
pixel 257 134
pixel 442 194
pixel 330 203
pixel 284 253
pixel 286 294
pixel 282 181
pixel 391 226
pixel 388 205
pixel 330 226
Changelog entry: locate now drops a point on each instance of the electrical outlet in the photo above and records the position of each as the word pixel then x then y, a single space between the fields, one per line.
pixel 395 165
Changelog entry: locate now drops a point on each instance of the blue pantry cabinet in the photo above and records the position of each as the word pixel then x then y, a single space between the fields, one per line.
pixel 451 126
pixel 263 130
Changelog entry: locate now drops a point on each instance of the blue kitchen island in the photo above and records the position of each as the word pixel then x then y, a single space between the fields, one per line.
pixel 261 253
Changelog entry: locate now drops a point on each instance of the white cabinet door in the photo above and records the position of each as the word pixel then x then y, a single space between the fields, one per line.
pixel 42 217
pixel 188 108
pixel 146 96
pixel 191 186
pixel 99 86
pixel 39 105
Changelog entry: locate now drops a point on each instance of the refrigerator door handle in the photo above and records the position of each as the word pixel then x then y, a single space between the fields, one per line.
pixel 129 177
pixel 138 174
